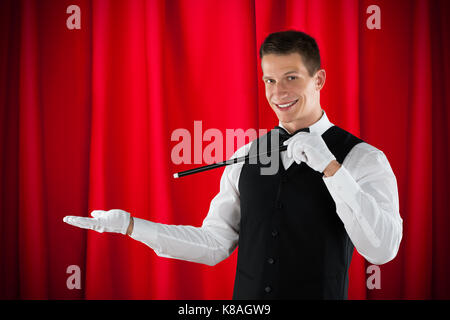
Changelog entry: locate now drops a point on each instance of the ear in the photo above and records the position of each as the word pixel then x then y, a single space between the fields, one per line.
pixel 320 79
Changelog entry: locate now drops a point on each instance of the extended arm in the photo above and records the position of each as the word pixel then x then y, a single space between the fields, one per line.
pixel 209 244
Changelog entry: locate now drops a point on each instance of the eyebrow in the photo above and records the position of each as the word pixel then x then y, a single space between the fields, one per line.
pixel 289 72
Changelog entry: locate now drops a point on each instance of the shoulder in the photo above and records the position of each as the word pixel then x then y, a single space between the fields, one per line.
pixel 365 158
pixel 242 151
pixel 232 172
pixel 340 142
pixel 365 150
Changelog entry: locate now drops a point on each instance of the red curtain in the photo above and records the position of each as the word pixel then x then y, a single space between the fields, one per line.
pixel 86 117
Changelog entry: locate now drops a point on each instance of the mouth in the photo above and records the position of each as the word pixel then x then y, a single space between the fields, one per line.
pixel 286 106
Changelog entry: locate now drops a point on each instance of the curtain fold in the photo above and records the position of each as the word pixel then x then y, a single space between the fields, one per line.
pixel 31 233
pixel 87 116
pixel 418 248
pixel 440 48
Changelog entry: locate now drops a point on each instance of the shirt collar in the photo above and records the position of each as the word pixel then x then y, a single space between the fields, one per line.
pixel 319 127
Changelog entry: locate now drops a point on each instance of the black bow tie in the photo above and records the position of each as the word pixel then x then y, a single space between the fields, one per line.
pixel 284 135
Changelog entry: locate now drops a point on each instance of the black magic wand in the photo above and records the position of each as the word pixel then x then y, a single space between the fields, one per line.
pixel 225 163
pixel 281 131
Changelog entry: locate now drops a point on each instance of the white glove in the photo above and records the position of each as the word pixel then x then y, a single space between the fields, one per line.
pixel 115 220
pixel 311 149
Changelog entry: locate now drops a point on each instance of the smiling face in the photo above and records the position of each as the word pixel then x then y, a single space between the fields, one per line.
pixel 292 93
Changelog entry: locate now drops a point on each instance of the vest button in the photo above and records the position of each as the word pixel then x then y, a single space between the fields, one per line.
pixel 268 289
pixel 274 233
pixel 270 261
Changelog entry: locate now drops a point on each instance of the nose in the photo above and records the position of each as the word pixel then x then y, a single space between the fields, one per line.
pixel 279 90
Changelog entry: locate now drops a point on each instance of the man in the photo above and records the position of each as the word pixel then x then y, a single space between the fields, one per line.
pixel 295 229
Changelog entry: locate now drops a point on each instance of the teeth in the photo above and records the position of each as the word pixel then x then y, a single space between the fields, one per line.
pixel 287 104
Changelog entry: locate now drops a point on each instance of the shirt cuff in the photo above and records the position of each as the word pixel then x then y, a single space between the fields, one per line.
pixel 144 231
pixel 343 185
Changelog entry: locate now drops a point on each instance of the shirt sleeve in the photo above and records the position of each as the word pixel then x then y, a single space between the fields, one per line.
pixel 209 244
pixel 366 196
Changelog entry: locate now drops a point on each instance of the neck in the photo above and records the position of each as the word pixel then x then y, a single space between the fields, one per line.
pixel 304 122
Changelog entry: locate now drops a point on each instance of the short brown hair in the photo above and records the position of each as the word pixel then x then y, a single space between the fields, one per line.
pixel 290 41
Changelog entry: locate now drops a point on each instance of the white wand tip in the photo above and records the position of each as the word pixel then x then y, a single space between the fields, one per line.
pixel 175 175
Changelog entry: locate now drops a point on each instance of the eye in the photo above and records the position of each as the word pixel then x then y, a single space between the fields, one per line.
pixel 292 77
pixel 269 81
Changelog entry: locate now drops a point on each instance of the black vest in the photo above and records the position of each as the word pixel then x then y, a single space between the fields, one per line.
pixel 292 244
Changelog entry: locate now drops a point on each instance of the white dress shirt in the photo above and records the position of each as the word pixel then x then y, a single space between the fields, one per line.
pixel 364 189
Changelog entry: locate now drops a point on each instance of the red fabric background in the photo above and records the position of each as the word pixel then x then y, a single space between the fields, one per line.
pixel 86 118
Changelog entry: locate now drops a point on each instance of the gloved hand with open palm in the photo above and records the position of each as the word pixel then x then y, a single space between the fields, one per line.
pixel 115 220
